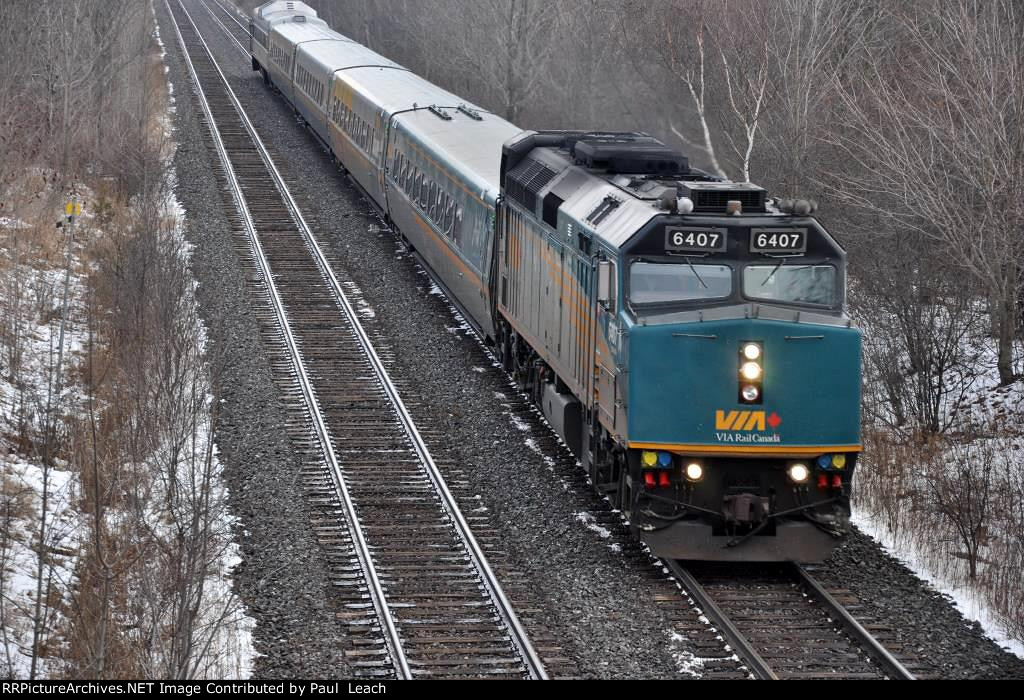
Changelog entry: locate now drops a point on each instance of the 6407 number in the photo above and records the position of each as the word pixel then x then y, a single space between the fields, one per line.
pixel 776 241
pixel 694 240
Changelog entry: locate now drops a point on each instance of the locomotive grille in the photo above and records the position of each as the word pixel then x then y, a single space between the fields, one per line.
pixel 717 200
pixel 524 182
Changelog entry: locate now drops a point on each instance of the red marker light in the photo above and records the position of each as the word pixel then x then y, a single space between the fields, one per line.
pixel 649 480
pixel 663 480
pixel 822 481
pixel 837 481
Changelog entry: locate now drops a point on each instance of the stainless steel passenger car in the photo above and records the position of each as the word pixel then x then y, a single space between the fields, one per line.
pixel 429 160
pixel 264 19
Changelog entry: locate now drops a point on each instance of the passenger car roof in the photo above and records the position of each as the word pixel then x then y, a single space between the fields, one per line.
pixel 471 146
pixel 343 53
pixel 311 30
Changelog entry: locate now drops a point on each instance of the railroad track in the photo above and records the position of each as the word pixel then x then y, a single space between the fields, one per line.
pixel 420 598
pixel 784 624
pixel 236 29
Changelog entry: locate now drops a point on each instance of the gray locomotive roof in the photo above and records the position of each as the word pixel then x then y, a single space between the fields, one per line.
pixel 343 53
pixel 620 225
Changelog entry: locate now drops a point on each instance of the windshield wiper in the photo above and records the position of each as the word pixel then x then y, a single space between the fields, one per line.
pixel 782 261
pixel 694 271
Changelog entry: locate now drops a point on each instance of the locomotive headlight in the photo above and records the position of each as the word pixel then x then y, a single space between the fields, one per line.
pixel 798 473
pixel 648 458
pixel 694 471
pixel 751 371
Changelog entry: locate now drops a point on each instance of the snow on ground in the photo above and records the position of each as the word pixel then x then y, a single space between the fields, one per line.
pixel 32 297
pixel 590 522
pixel 231 648
pixel 969 602
pixel 23 487
pixel 687 663
pixel 23 398
pixel 519 423
pixel 358 301
pixel 973 407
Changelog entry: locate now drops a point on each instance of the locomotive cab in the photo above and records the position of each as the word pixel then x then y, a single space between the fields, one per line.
pixel 686 336
pixel 743 405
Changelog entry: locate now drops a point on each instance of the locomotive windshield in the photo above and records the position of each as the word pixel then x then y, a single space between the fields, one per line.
pixel 800 284
pixel 662 283
pixel 677 267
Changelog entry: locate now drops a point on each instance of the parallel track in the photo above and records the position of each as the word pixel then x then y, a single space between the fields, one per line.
pixel 783 624
pixel 422 598
pixel 238 33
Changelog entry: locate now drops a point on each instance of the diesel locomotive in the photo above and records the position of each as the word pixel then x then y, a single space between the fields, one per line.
pixel 684 335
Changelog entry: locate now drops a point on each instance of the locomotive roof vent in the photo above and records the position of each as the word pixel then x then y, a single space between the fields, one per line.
pixel 525 181
pixel 634 153
pixel 714 197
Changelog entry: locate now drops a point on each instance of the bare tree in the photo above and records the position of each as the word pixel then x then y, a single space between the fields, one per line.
pixel 585 65
pixel 695 79
pixel 677 37
pixel 746 90
pixel 509 56
pixel 922 320
pixel 935 135
pixel 960 481
pixel 813 46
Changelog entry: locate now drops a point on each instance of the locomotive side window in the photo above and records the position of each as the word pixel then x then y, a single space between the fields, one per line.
pixel 798 284
pixel 662 283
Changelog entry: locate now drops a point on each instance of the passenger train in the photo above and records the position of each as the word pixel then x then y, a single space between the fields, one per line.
pixel 685 336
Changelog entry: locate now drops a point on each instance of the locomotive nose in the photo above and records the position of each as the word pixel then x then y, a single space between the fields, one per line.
pixel 745 386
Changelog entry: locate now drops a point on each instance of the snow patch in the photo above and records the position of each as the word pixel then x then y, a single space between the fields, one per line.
pixel 590 522
pixel 968 602
pixel 23 483
pixel 687 663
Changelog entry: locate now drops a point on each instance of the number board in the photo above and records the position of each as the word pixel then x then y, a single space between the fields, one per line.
pixel 776 240
pixel 694 240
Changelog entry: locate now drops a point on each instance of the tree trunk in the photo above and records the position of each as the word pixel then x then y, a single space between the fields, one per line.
pixel 1006 329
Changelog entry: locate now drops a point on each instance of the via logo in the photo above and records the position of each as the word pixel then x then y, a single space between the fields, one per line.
pixel 747 421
